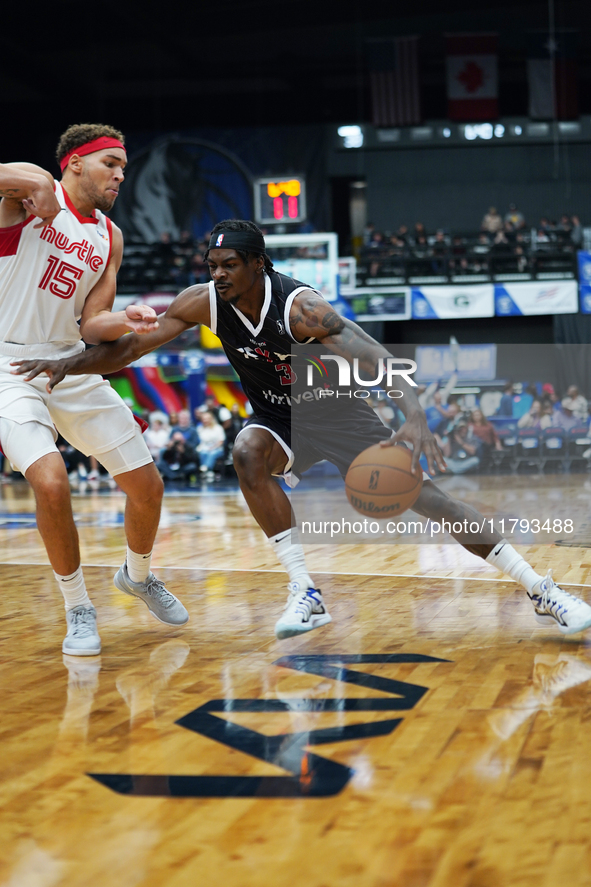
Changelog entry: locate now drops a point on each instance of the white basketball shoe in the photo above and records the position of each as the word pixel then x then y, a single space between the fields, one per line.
pixel 553 605
pixel 304 611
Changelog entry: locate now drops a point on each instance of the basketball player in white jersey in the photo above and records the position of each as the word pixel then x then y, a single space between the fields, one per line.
pixel 259 315
pixel 59 257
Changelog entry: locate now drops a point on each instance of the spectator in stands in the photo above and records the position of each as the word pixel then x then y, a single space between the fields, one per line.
pixel 199 269
pixel 211 443
pixel 421 247
pixel 395 254
pixel 544 225
pixel 451 415
pixel 157 434
pixel 479 254
pixel 164 248
pixel 535 417
pixel 368 233
pixel 576 234
pixel 234 426
pixel 376 251
pixel 510 232
pixel 384 411
pixel 506 403
pixel 563 417
pixel 440 249
pixel 549 395
pixel 180 272
pixel 483 430
pixel 402 233
pixel 77 465
pixel 575 401
pixel 221 413
pixel 515 217
pixel 185 244
pixel 419 232
pixel 482 245
pixel 519 253
pixel 185 426
pixel 436 393
pixel 492 221
pixel 460 453
pixel 178 459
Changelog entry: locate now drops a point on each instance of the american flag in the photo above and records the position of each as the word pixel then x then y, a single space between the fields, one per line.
pixel 394 79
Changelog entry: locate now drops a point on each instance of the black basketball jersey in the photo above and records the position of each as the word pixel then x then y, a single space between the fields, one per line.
pixel 261 356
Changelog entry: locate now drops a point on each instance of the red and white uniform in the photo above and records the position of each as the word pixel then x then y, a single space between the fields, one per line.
pixel 46 275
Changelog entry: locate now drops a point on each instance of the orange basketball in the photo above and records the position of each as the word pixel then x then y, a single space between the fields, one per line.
pixel 379 482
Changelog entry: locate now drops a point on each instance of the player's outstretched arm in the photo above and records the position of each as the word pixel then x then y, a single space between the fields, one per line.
pixel 99 323
pixel 188 309
pixel 311 315
pixel 26 189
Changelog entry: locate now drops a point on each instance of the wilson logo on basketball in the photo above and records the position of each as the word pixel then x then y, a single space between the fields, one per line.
pixel 84 249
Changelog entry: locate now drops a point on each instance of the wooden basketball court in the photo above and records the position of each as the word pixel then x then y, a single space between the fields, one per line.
pixel 433 734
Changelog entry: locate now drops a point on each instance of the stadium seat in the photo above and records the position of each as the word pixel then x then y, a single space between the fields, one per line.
pixel 527 448
pixel 578 442
pixel 553 446
pixel 508 437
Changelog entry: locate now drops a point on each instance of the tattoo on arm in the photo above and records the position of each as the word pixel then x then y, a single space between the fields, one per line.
pixel 332 323
pixel 10 192
pixel 316 316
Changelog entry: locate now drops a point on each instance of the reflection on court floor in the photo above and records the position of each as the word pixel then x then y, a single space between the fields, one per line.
pixel 420 738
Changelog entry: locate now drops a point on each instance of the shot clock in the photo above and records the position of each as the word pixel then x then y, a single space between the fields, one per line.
pixel 280 200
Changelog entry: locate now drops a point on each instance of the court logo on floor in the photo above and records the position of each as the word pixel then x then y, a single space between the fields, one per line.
pixel 308 774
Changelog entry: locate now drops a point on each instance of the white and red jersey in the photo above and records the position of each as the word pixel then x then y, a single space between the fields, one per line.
pixel 47 273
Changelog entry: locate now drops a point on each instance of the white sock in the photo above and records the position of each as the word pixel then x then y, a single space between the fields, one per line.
pixel 291 555
pixel 138 565
pixel 507 560
pixel 73 589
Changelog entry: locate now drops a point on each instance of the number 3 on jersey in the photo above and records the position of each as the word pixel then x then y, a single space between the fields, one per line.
pixel 61 277
pixel 288 377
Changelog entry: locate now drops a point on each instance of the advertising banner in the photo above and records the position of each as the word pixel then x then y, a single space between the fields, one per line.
pixel 584 262
pixel 443 302
pixel 536 297
pixel 379 303
pixel 468 363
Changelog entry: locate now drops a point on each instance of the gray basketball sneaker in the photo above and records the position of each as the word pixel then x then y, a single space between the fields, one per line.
pixel 159 601
pixel 82 638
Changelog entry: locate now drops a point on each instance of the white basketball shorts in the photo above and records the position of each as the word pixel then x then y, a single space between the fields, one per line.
pixel 85 410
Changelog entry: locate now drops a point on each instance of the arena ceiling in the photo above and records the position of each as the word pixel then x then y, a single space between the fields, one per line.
pixel 242 62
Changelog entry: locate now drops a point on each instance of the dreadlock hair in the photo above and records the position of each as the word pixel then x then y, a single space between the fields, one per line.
pixel 81 133
pixel 243 225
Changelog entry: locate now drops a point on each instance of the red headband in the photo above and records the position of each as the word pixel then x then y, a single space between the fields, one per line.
pixel 90 147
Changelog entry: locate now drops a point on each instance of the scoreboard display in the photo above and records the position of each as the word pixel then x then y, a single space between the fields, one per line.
pixel 280 201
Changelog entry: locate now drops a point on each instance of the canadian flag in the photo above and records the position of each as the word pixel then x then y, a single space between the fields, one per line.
pixel 472 80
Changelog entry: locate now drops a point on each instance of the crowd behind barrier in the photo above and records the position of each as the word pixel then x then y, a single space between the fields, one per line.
pixel 532 427
pixel 504 247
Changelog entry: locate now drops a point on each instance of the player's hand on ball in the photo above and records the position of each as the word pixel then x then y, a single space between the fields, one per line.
pixel 416 432
pixel 141 318
pixel 55 369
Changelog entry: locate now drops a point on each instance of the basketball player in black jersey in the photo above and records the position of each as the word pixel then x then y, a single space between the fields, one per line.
pixel 259 314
